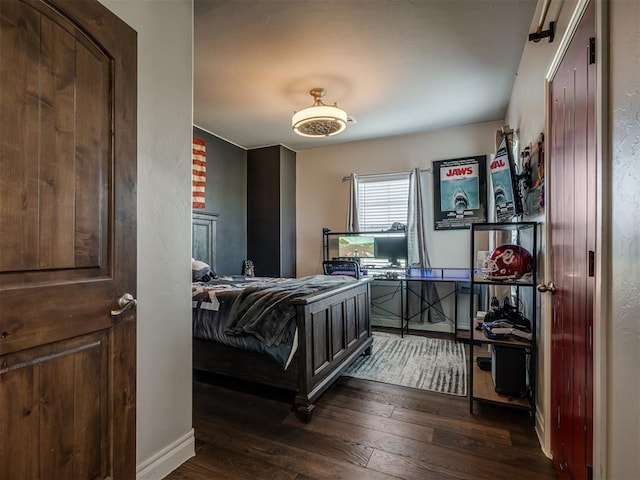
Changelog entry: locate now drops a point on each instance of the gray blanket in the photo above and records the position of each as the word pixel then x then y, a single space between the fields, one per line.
pixel 264 311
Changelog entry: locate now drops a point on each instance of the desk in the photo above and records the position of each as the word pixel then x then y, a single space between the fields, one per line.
pixel 425 293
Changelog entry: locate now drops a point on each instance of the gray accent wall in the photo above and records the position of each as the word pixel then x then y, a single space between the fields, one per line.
pixel 226 195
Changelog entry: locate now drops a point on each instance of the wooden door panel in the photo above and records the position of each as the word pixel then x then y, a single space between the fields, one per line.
pixel 18 424
pixel 92 150
pixel 591 194
pixel 582 210
pixel 19 153
pixel 55 188
pixel 54 410
pixel 68 242
pixel 557 338
pixel 567 282
pixel 57 125
pixel 62 313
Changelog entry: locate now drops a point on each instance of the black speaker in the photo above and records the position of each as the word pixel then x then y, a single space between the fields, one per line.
pixel 509 370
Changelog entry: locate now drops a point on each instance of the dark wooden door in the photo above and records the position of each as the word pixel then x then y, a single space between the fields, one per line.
pixel 572 196
pixel 68 240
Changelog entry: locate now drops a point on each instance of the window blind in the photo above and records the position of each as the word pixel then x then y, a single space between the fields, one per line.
pixel 382 200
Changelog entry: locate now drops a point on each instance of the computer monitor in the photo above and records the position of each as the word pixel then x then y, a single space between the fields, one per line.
pixel 391 248
pixel 356 246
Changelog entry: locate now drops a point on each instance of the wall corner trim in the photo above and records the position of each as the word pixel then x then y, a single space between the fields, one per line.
pixel 166 460
pixel 540 432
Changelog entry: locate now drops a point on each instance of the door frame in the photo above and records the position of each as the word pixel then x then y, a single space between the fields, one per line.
pixel 602 294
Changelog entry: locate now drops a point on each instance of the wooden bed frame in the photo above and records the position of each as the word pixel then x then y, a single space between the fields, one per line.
pixel 334 329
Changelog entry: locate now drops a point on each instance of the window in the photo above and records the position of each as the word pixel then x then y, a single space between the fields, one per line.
pixel 382 201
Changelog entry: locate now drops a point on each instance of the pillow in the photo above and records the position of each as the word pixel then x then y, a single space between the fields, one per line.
pixel 201 272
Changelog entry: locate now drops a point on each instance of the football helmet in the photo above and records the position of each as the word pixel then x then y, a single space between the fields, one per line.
pixel 508 262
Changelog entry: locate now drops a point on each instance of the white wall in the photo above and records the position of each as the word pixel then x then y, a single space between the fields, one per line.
pixel 321 195
pixel 623 358
pixel 165 30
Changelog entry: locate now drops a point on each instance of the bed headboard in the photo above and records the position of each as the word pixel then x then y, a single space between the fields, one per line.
pixel 203 236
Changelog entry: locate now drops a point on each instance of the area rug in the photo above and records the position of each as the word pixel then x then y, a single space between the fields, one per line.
pixel 432 364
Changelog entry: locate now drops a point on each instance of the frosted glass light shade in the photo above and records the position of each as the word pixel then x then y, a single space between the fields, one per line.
pixel 319 120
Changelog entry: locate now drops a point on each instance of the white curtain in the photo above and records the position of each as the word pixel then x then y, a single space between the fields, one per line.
pixel 417 248
pixel 353 224
pixel 415 223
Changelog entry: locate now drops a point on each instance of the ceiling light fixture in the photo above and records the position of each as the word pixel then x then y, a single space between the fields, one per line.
pixel 319 120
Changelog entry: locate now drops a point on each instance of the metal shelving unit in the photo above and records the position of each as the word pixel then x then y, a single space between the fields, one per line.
pixel 522 294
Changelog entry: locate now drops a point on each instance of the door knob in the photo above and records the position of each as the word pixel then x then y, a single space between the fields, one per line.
pixel 550 287
pixel 125 302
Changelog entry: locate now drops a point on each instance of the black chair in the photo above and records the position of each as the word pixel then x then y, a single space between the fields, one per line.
pixel 341 267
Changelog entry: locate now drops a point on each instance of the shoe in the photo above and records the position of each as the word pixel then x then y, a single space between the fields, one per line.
pixel 495 304
pixel 518 320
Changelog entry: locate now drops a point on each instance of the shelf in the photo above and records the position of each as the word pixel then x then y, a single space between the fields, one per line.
pixel 508 261
pixel 483 390
pixel 517 283
pixel 478 337
pixel 489 227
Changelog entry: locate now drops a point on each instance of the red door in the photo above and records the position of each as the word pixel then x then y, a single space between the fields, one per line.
pixel 572 194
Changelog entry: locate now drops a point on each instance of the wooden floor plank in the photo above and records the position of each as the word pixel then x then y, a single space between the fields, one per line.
pixel 438 458
pixel 474 447
pixel 292 440
pixel 402 397
pixel 359 405
pixel 194 470
pixel 322 464
pixel 462 424
pixel 405 467
pixel 400 428
pixel 234 463
pixel 360 430
pixel 446 406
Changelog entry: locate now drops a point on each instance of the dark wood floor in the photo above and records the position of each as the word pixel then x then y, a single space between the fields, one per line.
pixel 360 430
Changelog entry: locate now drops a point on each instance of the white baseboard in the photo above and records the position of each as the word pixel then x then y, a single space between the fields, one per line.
pixel 168 459
pixel 540 433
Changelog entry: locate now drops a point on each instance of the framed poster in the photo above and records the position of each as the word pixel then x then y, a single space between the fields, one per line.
pixel 534 200
pixel 503 180
pixel 459 192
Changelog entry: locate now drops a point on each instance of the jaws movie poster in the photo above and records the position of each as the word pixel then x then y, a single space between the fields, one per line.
pixel 460 192
pixel 506 199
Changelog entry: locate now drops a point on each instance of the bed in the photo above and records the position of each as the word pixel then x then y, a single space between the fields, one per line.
pixel 315 328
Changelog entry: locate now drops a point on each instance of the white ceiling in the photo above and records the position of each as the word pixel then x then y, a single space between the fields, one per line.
pixel 396 66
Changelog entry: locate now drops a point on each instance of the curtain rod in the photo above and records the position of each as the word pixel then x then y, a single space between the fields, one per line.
pixel 543 15
pixel 347 177
pixel 539 34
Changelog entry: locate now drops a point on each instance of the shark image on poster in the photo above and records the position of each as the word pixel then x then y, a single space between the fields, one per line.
pixel 502 191
pixel 459 188
pixel 459 192
pixel 503 187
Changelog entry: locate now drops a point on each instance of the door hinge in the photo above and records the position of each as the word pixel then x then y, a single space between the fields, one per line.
pixel 592 50
pixel 589 472
pixel 592 263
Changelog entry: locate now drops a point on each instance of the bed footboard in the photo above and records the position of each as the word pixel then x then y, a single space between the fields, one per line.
pixel 335 329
